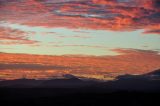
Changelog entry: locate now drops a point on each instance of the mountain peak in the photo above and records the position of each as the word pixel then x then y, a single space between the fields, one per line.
pixel 70 76
pixel 155 72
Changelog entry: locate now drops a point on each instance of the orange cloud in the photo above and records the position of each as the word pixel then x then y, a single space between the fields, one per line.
pixel 89 14
pixel 130 61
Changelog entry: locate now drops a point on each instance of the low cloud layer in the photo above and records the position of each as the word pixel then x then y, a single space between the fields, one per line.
pixel 129 61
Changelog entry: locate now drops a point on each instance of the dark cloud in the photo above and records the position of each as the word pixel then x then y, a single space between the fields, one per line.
pixel 23 66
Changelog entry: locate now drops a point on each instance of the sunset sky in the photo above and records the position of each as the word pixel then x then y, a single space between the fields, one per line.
pixel 120 36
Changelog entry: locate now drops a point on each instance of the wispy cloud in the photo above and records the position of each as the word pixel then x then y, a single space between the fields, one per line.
pixel 122 51
pixel 76 45
pixel 74 36
pixel 11 36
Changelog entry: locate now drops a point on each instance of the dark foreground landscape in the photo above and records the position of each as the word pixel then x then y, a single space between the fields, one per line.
pixel 128 90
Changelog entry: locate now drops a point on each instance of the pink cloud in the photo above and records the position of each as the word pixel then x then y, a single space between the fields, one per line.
pixel 91 14
pixel 10 37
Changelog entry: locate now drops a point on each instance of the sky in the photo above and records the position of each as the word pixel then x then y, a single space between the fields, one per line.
pixel 119 30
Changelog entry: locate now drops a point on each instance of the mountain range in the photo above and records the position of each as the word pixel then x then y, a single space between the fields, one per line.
pixel 126 90
pixel 145 82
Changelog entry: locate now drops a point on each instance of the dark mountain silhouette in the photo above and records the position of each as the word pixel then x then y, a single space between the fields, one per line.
pixel 149 82
pixel 67 81
pixel 145 82
pixel 156 73
pixel 127 90
pixel 70 76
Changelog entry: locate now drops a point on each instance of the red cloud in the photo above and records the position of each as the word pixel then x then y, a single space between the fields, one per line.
pixel 89 14
pixel 131 61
